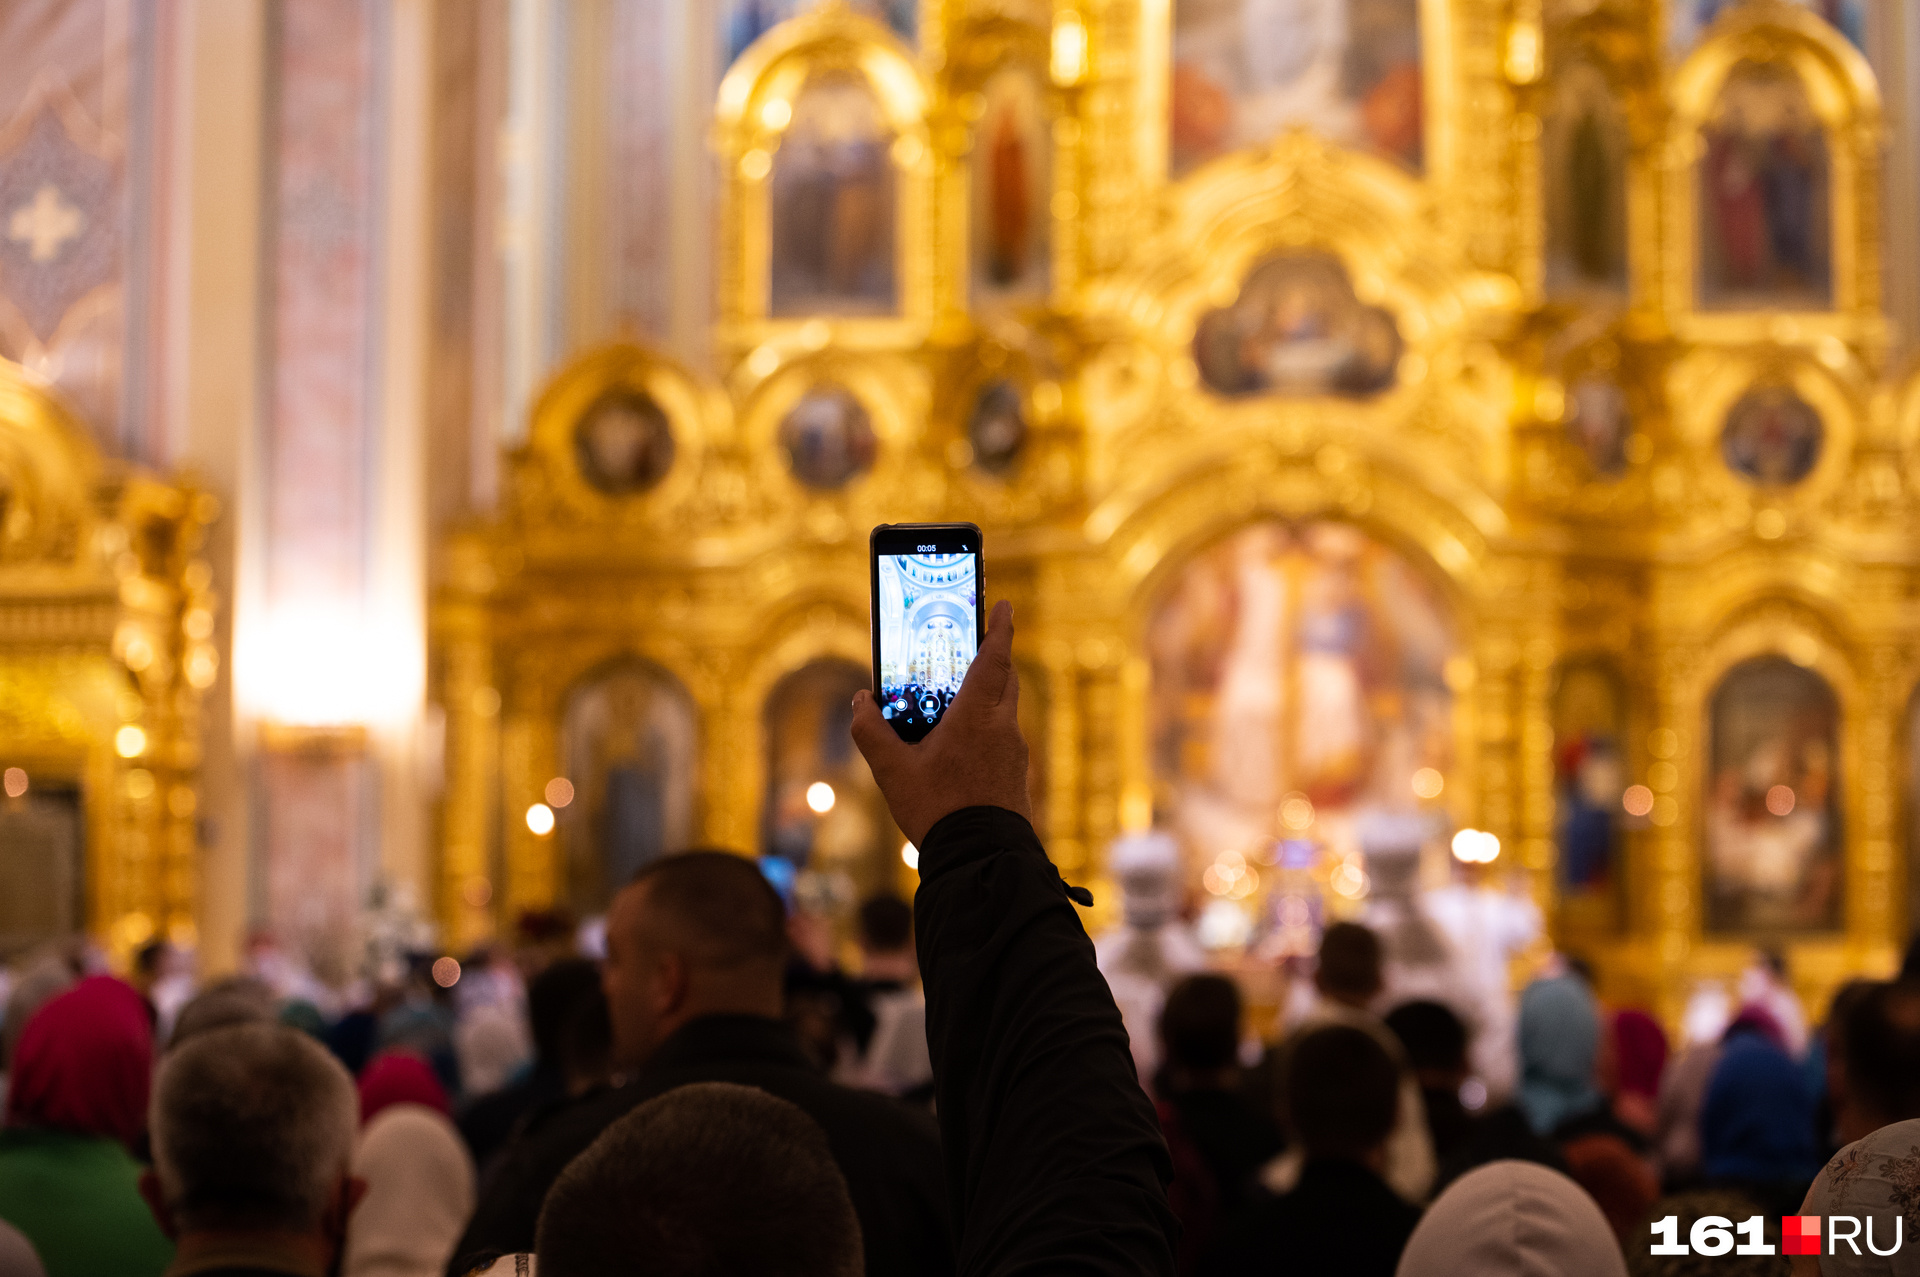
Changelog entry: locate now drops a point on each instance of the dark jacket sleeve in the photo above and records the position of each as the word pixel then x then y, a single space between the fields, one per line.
pixel 1055 1162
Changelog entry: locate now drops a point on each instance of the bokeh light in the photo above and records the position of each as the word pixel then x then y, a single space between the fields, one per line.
pixel 1296 812
pixel 1428 782
pixel 446 972
pixel 820 797
pixel 16 781
pixel 910 856
pixel 540 819
pixel 1637 801
pixel 130 741
pixel 1781 800
pixel 559 792
pixel 1475 847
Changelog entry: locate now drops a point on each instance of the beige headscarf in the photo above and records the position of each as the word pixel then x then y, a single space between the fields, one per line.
pixel 1512 1219
pixel 1875 1180
pixel 420 1192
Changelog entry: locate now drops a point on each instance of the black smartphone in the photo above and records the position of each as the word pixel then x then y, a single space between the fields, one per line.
pixel 927 619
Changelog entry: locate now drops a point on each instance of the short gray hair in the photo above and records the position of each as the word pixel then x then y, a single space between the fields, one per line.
pixel 253 1127
pixel 708 1180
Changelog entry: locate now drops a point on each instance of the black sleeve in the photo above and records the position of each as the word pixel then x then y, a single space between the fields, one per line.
pixel 1055 1162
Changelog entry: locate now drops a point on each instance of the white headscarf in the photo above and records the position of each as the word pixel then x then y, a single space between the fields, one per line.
pixel 1512 1219
pixel 1874 1179
pixel 420 1192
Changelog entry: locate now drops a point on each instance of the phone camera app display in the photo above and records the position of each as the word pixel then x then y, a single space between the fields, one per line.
pixel 927 609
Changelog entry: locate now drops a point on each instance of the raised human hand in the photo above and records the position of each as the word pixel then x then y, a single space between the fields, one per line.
pixel 975 755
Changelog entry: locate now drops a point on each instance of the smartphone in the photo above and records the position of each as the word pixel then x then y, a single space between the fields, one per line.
pixel 927 619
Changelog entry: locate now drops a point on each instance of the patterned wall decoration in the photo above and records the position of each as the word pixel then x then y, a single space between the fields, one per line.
pixel 81 165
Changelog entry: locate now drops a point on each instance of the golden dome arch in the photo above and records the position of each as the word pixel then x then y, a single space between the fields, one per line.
pixel 49 470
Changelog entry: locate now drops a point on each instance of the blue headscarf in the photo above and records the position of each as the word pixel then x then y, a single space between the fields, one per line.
pixel 1757 1123
pixel 1559 1038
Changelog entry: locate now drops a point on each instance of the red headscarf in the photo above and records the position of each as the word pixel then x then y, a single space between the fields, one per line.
pixel 399 1077
pixel 1640 1052
pixel 85 1063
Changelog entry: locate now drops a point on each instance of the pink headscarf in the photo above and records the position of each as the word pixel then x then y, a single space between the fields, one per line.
pixel 399 1077
pixel 1640 1053
pixel 85 1063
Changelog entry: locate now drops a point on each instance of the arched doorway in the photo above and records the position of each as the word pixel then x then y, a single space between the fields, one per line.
pixel 823 818
pixel 629 746
pixel 1298 681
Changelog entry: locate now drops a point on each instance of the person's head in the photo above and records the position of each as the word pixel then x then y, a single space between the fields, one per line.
pixel 708 1180
pixel 1200 1029
pixel 1435 1041
pixel 701 933
pixel 253 1129
pixel 1349 969
pixel 1343 1094
pixel 1879 1064
pixel 886 924
pixel 1559 1040
pixel 1512 1219
pixel 240 999
pixel 84 1063
pixel 399 1077
pixel 555 997
pixel 885 928
pixel 150 962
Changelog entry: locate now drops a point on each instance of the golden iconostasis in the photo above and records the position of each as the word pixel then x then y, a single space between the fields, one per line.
pixel 1451 406
pixel 1477 409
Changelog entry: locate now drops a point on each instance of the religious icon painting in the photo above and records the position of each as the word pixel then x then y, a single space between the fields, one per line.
pixel 1297 677
pixel 1012 185
pixel 997 428
pixel 828 438
pixel 624 443
pixel 1772 802
pixel 1772 436
pixel 1298 329
pixel 628 743
pixel 744 21
pixel 1764 233
pixel 1600 421
pixel 1584 162
pixel 1245 70
pixel 832 204
pixel 1688 20
pixel 1590 773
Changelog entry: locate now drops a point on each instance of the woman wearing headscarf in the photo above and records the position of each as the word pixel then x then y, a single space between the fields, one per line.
pixel 1559 1041
pixel 420 1190
pixel 1512 1219
pixel 1872 1180
pixel 1757 1125
pixel 1639 1059
pixel 77 1103
pixel 400 1077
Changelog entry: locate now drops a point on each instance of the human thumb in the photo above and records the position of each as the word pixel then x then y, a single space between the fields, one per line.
pixel 878 743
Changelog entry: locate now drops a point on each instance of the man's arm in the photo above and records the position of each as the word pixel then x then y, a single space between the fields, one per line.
pixel 1054 1158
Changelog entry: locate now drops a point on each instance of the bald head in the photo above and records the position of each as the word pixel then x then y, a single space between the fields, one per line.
pixel 701 933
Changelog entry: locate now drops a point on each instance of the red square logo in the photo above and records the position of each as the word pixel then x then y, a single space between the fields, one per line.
pixel 1800 1234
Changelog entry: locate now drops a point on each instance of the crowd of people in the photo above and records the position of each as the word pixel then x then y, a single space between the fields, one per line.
pixel 712 1096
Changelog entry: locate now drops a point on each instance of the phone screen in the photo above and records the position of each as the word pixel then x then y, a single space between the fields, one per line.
pixel 926 620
